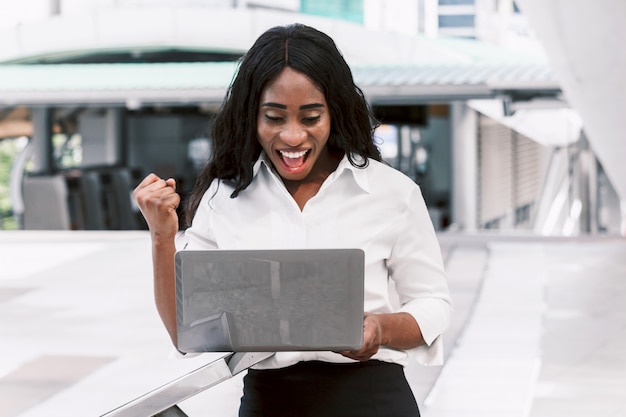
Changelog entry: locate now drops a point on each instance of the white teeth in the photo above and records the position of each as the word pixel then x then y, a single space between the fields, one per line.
pixel 293 155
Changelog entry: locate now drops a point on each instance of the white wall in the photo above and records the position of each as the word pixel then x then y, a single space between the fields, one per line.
pixel 584 41
pixel 13 13
pixel 219 29
pixel 398 16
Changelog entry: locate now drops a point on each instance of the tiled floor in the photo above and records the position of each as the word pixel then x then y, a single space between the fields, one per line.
pixel 539 329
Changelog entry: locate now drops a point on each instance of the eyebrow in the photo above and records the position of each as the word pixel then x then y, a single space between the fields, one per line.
pixel 303 107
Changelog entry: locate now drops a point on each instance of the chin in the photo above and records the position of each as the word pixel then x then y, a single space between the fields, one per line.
pixel 292 177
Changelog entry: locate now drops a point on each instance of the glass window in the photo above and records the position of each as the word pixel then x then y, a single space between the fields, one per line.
pixel 456 2
pixel 351 10
pixel 67 143
pixel 456 20
pixel 10 151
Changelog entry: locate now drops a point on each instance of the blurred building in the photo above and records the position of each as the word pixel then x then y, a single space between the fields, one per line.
pixel 109 90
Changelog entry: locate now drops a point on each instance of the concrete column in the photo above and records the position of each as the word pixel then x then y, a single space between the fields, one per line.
pixel 102 137
pixel 114 148
pixel 55 7
pixel 464 166
pixel 623 212
pixel 41 141
pixel 588 188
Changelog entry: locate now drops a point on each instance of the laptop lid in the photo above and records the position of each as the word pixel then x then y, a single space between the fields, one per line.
pixel 269 300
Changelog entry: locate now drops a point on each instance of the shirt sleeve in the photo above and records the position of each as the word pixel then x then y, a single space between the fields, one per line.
pixel 416 267
pixel 199 236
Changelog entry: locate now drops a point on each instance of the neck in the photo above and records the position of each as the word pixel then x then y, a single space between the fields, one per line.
pixel 306 188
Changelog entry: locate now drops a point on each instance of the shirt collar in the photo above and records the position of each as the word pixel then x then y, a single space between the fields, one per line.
pixel 359 175
pixel 261 160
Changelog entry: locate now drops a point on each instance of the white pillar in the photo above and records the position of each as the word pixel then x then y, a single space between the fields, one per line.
pixel 623 210
pixel 464 166
pixel 113 135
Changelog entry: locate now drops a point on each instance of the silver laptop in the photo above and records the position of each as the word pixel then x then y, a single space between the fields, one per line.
pixel 269 300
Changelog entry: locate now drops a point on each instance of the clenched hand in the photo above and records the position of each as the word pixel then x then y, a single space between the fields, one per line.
pixel 158 200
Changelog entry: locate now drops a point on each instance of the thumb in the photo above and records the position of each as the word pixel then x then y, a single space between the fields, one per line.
pixel 171 182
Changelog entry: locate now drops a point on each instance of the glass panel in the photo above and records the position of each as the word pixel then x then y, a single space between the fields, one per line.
pixel 351 10
pixel 68 151
pixel 456 2
pixel 458 20
pixel 67 142
pixel 10 150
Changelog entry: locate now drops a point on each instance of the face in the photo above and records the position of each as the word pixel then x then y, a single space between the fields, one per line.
pixel 293 125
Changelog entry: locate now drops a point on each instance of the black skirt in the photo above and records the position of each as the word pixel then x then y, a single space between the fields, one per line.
pixel 322 389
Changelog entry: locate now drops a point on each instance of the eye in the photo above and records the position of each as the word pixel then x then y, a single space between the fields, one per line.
pixel 273 119
pixel 311 120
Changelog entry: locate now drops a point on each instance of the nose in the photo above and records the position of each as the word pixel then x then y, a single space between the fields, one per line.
pixel 293 134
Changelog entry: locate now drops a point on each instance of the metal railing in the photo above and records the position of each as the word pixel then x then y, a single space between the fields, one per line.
pixel 163 401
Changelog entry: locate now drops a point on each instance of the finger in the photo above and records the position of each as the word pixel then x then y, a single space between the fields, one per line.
pixel 154 190
pixel 367 351
pixel 164 198
pixel 152 196
pixel 160 200
pixel 159 191
pixel 148 179
pixel 154 182
pixel 357 356
pixel 171 182
pixel 145 185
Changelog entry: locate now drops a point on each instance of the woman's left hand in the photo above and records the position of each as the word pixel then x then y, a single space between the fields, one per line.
pixel 395 330
pixel 372 339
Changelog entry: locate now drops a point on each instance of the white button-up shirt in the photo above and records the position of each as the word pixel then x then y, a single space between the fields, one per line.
pixel 377 209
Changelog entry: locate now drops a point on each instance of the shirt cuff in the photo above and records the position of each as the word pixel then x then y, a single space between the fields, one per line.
pixel 433 317
pixel 429 355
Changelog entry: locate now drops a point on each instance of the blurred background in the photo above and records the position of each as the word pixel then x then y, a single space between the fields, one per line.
pixel 508 114
pixel 501 119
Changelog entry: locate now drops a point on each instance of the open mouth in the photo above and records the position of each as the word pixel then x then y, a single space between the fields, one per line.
pixel 293 159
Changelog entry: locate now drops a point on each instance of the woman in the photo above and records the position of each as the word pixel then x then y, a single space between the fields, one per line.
pixel 294 165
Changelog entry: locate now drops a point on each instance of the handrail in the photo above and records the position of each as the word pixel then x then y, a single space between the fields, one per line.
pixel 163 400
